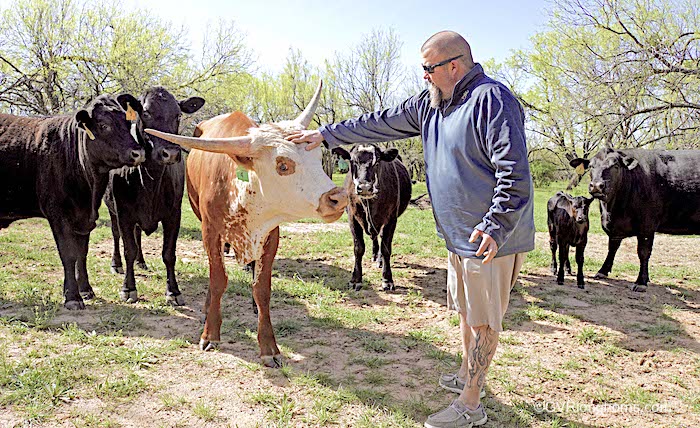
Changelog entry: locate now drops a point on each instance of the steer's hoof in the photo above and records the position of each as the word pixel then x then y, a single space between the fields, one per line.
pixel 129 296
pixel 357 286
pixel 175 300
pixel 272 361
pixel 117 270
pixel 74 305
pixel 600 275
pixel 560 281
pixel 388 286
pixel 87 295
pixel 207 345
pixel 639 288
pixel 142 265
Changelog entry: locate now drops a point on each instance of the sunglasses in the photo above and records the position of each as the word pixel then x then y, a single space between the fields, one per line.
pixel 430 69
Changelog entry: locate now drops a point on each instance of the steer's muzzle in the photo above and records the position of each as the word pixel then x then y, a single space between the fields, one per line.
pixel 332 204
pixel 597 189
pixel 169 156
pixel 364 189
pixel 137 156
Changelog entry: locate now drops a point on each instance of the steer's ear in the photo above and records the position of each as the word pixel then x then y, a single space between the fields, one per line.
pixel 342 153
pixel 389 155
pixel 629 162
pixel 579 161
pixel 83 118
pixel 128 100
pixel 191 104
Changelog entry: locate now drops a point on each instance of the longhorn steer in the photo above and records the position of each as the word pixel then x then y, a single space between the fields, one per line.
pixel 285 182
pixel 379 187
pixel 139 199
pixel 58 168
pixel 567 221
pixel 642 192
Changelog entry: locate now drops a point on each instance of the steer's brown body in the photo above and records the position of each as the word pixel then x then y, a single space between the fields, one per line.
pixel 286 183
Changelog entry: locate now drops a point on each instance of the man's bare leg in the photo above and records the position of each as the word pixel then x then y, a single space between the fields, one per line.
pixel 482 347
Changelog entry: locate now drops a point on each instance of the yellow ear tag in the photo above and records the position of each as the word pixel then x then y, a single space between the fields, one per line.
pixel 89 133
pixel 580 169
pixel 130 112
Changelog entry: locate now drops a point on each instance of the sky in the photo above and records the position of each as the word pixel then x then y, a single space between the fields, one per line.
pixel 319 28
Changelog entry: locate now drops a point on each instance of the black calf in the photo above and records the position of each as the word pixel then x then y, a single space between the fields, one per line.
pixel 567 220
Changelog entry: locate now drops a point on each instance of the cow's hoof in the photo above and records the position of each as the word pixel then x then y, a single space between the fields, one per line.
pixel 207 345
pixel 129 296
pixel 600 275
pixel 639 288
pixel 175 300
pixel 74 305
pixel 581 286
pixel 388 286
pixel 87 295
pixel 272 361
pixel 142 265
pixel 560 281
pixel 357 286
pixel 117 270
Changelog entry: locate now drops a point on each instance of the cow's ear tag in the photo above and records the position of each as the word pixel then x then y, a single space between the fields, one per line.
pixel 242 174
pixel 89 133
pixel 580 169
pixel 130 112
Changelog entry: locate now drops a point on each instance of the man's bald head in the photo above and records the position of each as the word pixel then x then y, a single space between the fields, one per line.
pixel 449 44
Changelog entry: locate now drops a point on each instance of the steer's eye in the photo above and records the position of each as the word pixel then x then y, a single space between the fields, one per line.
pixel 104 127
pixel 285 165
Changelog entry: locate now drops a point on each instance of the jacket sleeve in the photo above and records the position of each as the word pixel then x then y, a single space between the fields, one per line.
pixel 402 121
pixel 501 130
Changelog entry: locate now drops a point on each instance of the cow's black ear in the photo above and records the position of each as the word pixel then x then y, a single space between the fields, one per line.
pixel 83 118
pixel 389 155
pixel 579 161
pixel 629 162
pixel 191 104
pixel 342 153
pixel 589 200
pixel 126 100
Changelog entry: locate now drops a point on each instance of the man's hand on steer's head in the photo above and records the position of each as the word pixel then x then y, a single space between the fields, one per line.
pixel 313 137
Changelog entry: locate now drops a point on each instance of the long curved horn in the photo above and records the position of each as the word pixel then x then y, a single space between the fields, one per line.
pixel 237 146
pixel 305 117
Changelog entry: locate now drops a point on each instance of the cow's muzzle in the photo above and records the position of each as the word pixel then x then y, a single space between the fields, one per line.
pixel 137 156
pixel 169 156
pixel 332 204
pixel 597 189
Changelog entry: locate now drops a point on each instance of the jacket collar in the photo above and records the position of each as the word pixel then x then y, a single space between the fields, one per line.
pixel 462 86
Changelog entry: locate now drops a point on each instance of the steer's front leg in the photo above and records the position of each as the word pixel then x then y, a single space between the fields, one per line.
pixel 218 281
pixel 262 289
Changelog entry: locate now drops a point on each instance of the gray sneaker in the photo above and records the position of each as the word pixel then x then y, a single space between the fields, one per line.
pixel 453 383
pixel 456 415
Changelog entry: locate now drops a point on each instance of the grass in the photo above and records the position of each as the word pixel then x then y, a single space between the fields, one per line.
pixel 365 358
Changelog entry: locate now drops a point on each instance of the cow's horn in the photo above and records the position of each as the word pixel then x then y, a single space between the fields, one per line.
pixel 305 117
pixel 238 146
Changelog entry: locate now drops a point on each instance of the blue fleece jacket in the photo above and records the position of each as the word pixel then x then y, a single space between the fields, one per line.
pixel 476 163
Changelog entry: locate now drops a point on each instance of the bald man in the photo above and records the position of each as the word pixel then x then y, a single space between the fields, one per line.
pixel 481 191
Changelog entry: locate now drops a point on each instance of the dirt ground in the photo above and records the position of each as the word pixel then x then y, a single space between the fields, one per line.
pixel 526 373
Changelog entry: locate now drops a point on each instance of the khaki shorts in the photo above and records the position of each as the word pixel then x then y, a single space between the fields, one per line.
pixel 481 292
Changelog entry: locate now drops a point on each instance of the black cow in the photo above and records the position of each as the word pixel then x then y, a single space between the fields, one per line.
pixel 139 198
pixel 379 187
pixel 567 221
pixel 642 192
pixel 58 168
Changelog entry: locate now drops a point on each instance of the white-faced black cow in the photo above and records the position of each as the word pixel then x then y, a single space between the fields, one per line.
pixel 58 168
pixel 642 192
pixel 139 198
pixel 379 187
pixel 567 221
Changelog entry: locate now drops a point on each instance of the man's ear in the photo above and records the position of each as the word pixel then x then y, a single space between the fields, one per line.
pixel 580 161
pixel 126 100
pixel 191 105
pixel 389 155
pixel 342 153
